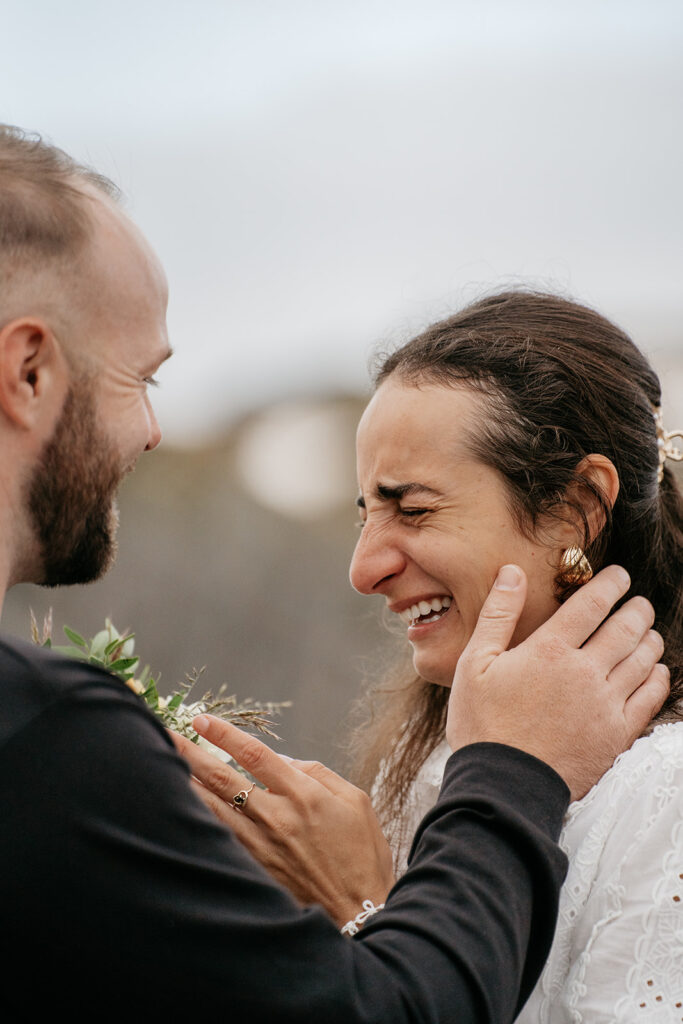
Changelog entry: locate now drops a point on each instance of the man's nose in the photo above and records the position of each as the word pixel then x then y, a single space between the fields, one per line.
pixel 375 561
pixel 154 429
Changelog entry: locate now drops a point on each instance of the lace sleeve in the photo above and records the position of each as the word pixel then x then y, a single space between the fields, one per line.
pixel 618 951
pixel 632 966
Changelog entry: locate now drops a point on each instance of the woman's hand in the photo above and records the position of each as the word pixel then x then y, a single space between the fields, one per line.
pixel 312 830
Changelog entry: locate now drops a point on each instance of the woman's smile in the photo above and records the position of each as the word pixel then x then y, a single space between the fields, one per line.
pixel 425 610
pixel 427 626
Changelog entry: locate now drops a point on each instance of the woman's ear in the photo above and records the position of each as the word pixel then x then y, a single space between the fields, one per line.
pixel 581 511
pixel 32 372
pixel 582 519
pixel 602 473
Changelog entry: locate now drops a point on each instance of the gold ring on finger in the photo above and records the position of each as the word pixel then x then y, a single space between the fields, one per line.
pixel 239 801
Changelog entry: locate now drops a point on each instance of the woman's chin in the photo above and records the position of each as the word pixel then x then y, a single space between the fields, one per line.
pixel 440 675
pixel 436 651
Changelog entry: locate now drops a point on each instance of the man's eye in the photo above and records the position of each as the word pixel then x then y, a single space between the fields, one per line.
pixel 413 513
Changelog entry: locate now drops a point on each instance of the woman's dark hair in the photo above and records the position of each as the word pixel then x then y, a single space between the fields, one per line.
pixel 558 382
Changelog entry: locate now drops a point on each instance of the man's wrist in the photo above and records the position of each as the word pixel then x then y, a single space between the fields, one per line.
pixel 514 776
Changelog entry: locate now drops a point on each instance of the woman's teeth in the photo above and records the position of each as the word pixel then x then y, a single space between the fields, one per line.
pixel 426 611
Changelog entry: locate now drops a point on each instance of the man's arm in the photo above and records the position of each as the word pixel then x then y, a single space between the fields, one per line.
pixel 489 844
pixel 129 897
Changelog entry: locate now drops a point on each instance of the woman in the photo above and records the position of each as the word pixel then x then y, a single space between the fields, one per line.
pixel 527 429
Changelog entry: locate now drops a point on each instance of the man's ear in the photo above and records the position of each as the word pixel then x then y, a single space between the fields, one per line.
pixel 32 371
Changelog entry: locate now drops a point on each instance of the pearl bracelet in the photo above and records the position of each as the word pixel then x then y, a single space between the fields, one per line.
pixel 354 926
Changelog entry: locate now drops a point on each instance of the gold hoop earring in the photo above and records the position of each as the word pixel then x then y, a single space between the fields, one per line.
pixel 575 567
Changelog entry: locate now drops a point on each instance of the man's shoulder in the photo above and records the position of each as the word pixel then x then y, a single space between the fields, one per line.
pixel 33 678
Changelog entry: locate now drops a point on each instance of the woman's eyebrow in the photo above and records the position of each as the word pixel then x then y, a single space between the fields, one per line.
pixel 398 491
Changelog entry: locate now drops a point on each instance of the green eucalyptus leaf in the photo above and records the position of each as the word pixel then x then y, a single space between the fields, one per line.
pixel 123 664
pixel 112 646
pixel 74 637
pixel 175 701
pixel 72 652
pixel 151 695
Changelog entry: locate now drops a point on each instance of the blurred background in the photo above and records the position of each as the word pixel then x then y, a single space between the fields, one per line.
pixel 320 179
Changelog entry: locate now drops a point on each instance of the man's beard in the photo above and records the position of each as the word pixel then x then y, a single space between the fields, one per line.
pixel 71 496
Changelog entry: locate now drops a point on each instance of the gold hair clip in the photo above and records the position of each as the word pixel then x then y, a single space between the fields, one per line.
pixel 665 443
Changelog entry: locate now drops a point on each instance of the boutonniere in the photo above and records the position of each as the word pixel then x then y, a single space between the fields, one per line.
pixel 115 652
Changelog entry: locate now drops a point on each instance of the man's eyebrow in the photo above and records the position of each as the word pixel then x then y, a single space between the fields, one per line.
pixel 398 491
pixel 160 360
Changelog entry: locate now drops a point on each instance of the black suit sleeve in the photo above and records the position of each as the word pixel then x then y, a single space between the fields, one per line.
pixel 126 898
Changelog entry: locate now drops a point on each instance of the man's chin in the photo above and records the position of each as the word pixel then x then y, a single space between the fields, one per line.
pixel 79 571
pixel 89 560
pixel 71 497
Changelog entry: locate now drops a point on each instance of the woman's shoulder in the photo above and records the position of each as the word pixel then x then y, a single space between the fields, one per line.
pixel 422 796
pixel 652 760
pixel 619 904
pixel 643 787
pixel 431 772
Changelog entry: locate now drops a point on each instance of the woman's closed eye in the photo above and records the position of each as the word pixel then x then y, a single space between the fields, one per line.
pixel 404 513
pixel 413 513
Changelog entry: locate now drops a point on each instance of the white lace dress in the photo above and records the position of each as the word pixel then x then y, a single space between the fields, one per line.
pixel 618 949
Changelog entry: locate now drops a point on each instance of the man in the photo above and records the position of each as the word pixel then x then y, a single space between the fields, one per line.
pixel 121 894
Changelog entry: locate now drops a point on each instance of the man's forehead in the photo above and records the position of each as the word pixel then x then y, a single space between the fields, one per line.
pixel 120 256
pixel 112 225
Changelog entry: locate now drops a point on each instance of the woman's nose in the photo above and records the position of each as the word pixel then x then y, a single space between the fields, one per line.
pixel 375 561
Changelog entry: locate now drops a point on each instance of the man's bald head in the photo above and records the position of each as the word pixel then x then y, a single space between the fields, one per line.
pixel 42 208
pixel 46 225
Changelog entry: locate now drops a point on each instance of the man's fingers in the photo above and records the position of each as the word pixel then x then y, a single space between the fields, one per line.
pixel 621 634
pixel 643 705
pixel 499 614
pixel 637 666
pixel 582 613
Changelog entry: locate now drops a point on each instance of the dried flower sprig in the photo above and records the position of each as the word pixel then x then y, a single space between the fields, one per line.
pixel 114 652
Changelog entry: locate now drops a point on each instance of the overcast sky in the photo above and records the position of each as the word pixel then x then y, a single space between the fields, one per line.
pixel 319 176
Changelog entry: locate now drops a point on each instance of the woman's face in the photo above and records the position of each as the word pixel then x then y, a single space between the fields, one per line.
pixel 437 526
